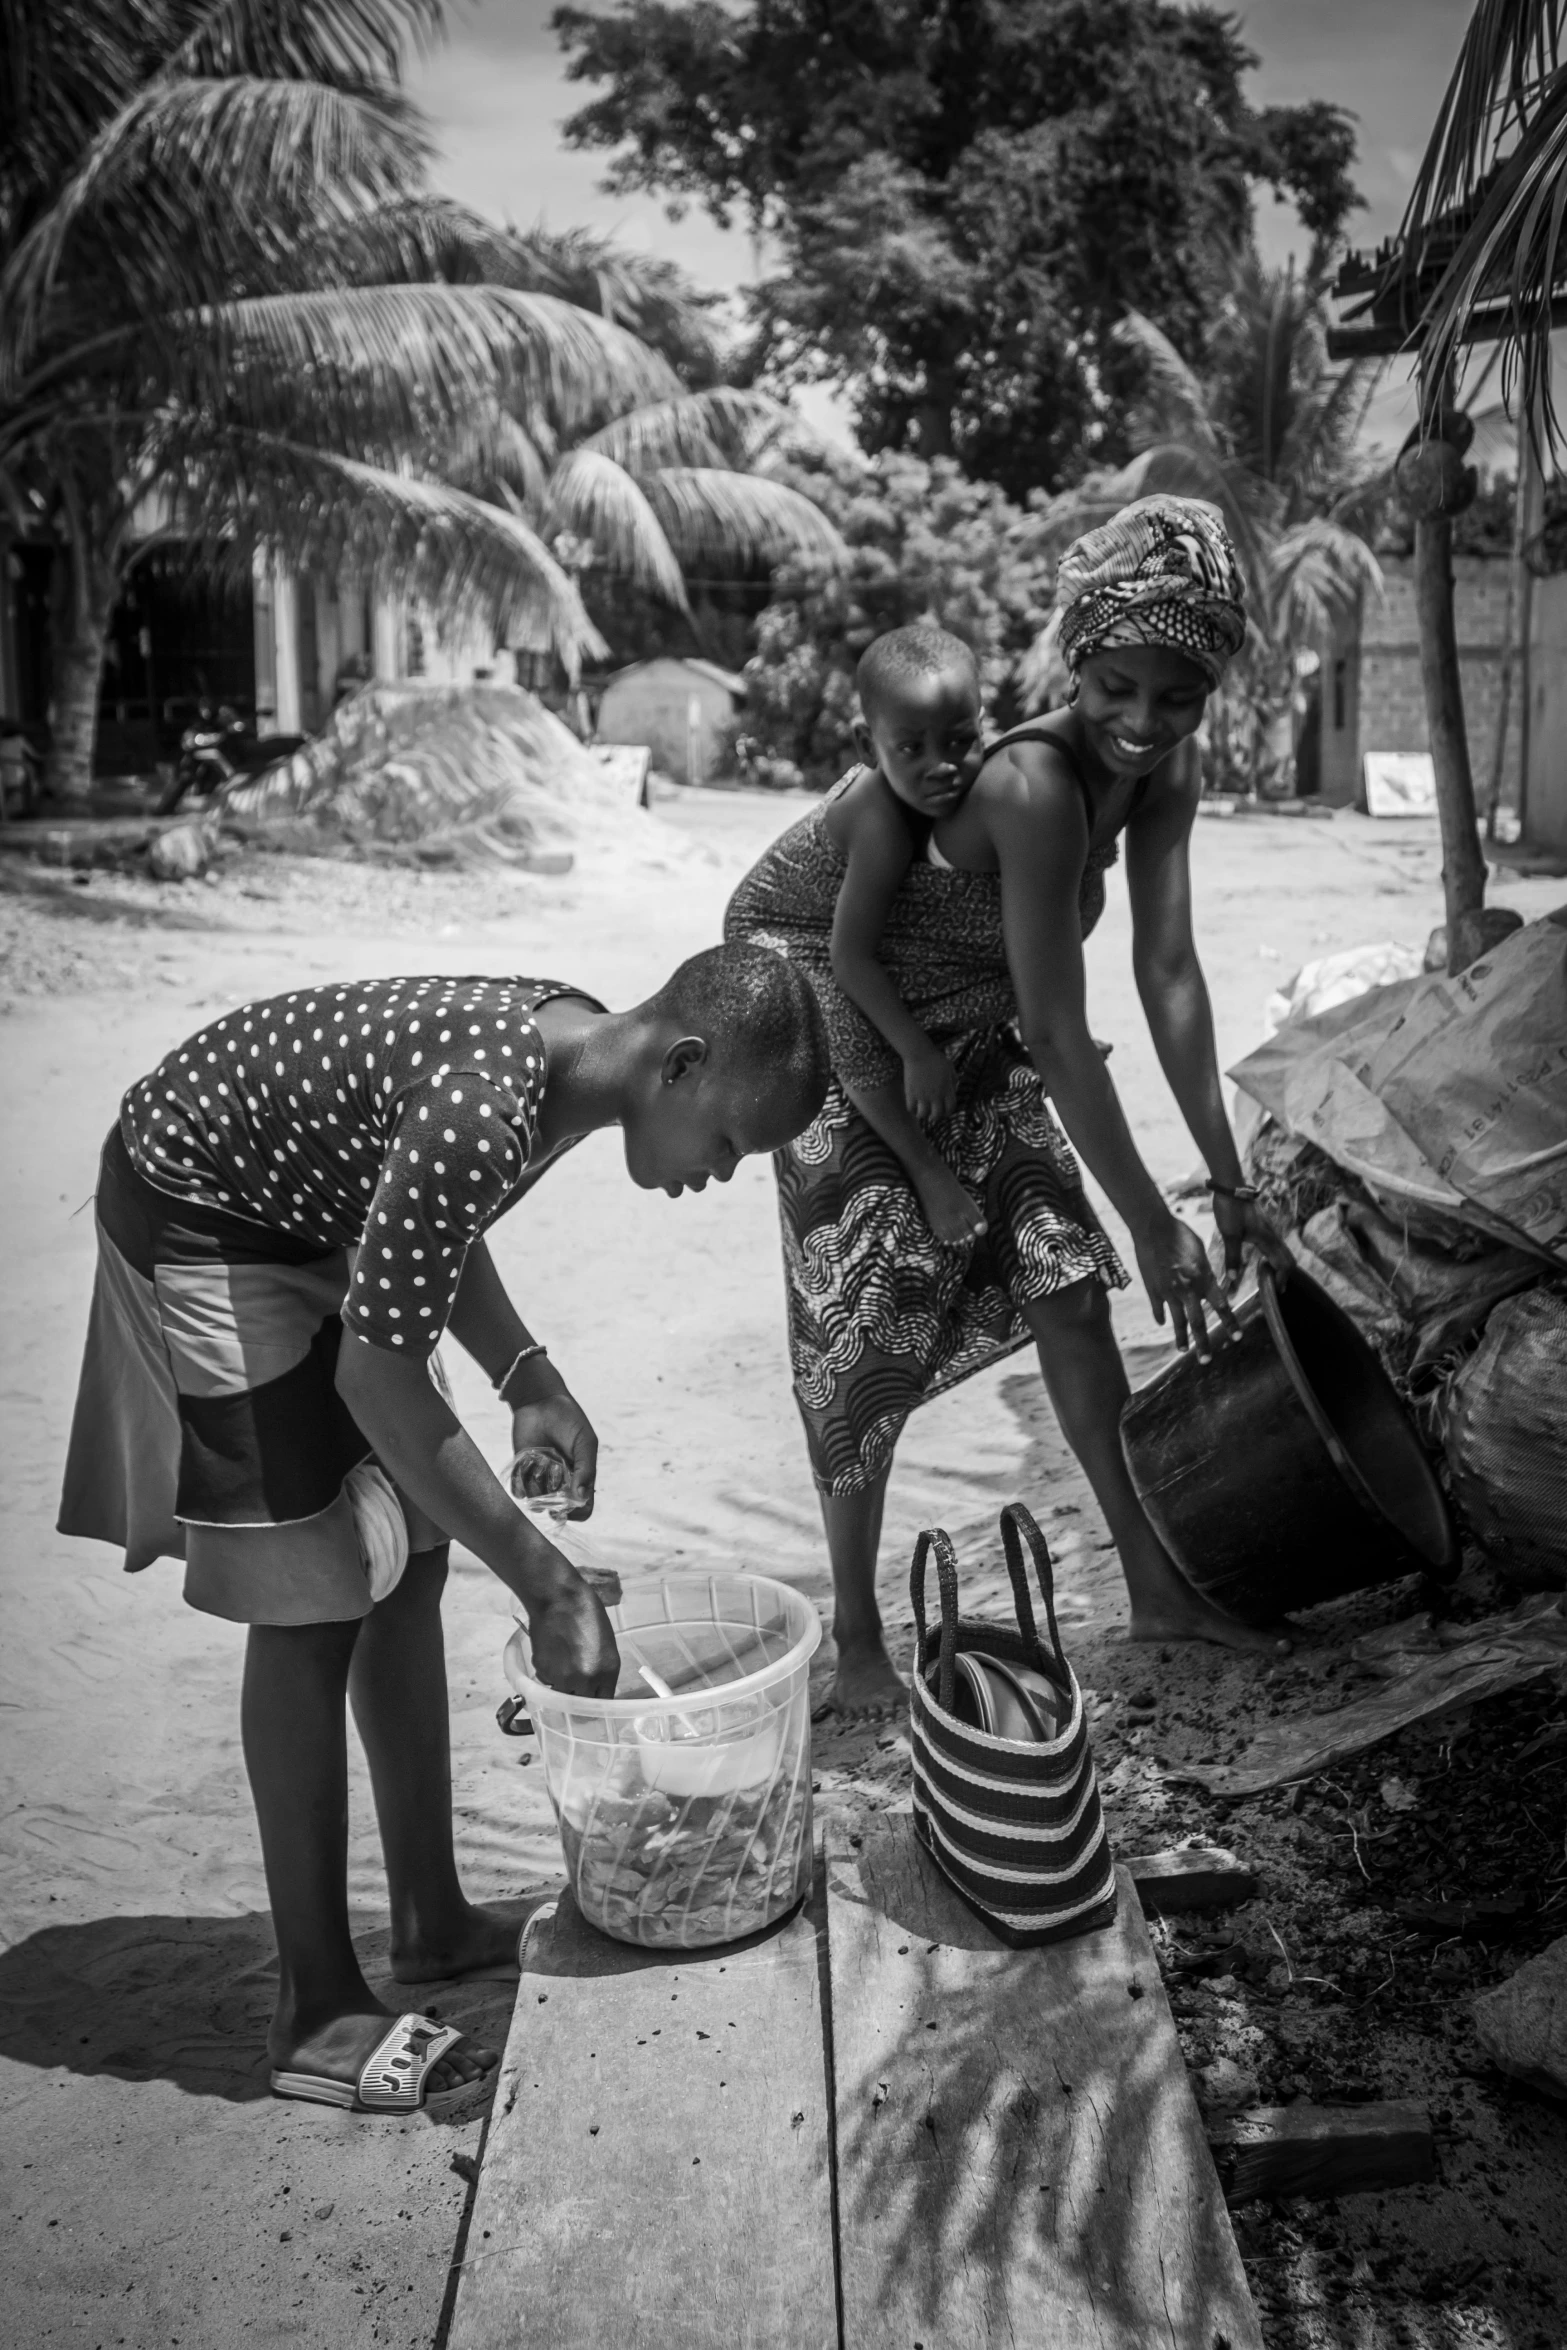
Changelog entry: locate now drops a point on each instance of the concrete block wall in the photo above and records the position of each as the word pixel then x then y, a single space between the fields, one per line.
pixel 1380 690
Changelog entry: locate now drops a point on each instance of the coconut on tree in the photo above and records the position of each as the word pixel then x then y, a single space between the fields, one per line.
pixel 224 285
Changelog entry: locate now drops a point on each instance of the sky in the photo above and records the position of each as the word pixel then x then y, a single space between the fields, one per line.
pixel 496 94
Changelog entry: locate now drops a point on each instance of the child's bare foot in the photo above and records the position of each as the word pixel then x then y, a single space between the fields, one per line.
pixel 866 1687
pixel 475 1941
pixel 952 1215
pixel 336 2050
pixel 1169 1609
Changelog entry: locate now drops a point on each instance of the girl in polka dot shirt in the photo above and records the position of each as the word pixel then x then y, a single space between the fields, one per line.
pixel 398 1116
pixel 291 1214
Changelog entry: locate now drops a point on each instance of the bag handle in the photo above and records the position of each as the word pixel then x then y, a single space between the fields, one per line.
pixel 1018 1527
pixel 933 1539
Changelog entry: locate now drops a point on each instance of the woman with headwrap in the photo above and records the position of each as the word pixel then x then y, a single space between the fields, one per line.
pixel 985 945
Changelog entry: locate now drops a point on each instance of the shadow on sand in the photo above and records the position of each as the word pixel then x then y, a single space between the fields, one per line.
pixel 188 2000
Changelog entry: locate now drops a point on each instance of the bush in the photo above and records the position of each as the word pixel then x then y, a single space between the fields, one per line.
pixel 924 543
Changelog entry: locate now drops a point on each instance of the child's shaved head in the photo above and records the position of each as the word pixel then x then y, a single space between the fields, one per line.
pixel 891 663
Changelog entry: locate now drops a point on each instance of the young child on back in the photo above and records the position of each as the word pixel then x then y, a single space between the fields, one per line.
pixel 918 736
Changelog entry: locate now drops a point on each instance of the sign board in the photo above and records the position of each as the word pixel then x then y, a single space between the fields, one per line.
pixel 1400 783
pixel 626 765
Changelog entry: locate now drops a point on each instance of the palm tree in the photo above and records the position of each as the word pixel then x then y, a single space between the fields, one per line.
pixel 1265 428
pixel 666 488
pixel 658 488
pixel 223 282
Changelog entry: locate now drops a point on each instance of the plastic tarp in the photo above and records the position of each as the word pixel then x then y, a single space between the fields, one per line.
pixel 1441 1094
pixel 1401 1295
pixel 1506 1439
pixel 1337 979
pixel 1423 1673
pixel 1475 1072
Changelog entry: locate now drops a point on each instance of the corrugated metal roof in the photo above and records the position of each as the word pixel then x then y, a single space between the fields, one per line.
pixel 729 679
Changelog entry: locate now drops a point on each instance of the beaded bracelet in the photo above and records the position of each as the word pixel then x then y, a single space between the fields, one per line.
pixel 525 1355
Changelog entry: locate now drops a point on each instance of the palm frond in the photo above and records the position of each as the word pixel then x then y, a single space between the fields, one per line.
pixel 490 451
pixel 723 427
pixel 1339 414
pixel 593 497
pixel 1318 572
pixel 474 562
pixel 745 519
pixel 1175 397
pixel 333 41
pixel 1510 52
pixel 394 366
pixel 1511 257
pixel 416 238
pixel 62 70
pixel 642 291
pixel 196 172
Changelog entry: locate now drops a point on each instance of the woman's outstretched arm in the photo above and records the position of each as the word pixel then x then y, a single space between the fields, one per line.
pixel 1175 995
pixel 1164 960
pixel 1040 834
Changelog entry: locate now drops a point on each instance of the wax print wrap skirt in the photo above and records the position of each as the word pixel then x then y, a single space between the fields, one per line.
pixel 882 1315
pixel 208 1426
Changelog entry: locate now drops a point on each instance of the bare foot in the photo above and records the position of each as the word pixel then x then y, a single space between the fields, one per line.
pixel 952 1215
pixel 337 2050
pixel 1184 1615
pixel 866 1688
pixel 476 1942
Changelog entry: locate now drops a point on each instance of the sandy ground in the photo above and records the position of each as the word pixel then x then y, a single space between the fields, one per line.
pixel 157 2194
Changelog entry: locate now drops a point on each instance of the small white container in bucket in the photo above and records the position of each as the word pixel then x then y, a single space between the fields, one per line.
pixel 686 1818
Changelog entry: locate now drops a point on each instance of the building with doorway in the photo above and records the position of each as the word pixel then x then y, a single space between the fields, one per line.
pixel 681 707
pixel 280 647
pixel 1372 697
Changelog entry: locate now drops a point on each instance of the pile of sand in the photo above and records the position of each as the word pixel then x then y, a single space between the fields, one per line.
pixel 464 774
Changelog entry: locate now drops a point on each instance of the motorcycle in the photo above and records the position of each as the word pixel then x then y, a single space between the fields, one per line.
pixel 22 752
pixel 221 748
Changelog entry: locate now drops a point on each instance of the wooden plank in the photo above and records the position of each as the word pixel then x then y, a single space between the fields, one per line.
pixel 1317 2150
pixel 657 2164
pixel 1193 1878
pixel 1020 2159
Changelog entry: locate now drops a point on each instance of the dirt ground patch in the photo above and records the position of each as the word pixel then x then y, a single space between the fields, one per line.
pixel 158 2195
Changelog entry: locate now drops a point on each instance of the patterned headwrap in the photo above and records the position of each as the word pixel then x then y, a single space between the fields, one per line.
pixel 1161 572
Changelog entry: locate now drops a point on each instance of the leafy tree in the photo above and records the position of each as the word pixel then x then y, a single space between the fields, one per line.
pixel 967 194
pixel 224 287
pixel 922 540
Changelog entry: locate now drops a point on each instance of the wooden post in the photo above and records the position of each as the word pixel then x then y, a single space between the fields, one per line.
pixel 1463 866
pixel 1531 519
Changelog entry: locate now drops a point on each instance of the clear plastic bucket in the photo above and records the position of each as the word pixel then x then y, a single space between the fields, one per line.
pixel 686 1820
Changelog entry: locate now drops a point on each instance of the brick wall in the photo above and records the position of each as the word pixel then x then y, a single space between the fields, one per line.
pixel 1371 678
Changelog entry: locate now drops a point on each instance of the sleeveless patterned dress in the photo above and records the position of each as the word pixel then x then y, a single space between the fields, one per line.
pixel 881 1314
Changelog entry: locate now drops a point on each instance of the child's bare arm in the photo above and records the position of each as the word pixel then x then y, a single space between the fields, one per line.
pixel 953 1215
pixel 878 854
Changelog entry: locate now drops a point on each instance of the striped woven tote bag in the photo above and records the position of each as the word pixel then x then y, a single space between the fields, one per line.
pixel 1015 1825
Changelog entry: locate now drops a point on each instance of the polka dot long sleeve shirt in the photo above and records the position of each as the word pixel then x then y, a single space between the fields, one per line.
pixel 397 1116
